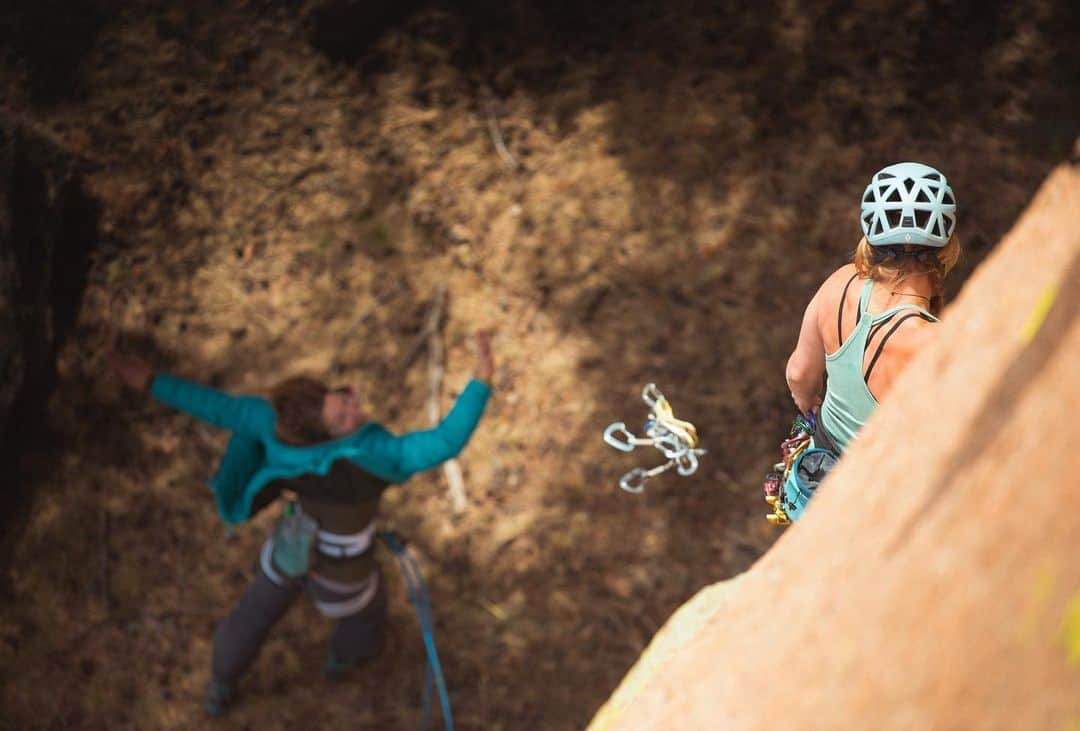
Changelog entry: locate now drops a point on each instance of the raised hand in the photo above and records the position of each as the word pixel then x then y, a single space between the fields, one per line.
pixel 486 366
pixel 132 370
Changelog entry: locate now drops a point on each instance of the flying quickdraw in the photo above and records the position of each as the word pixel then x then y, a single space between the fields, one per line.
pixel 676 439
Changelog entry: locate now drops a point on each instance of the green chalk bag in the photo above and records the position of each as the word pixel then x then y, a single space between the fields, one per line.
pixel 294 541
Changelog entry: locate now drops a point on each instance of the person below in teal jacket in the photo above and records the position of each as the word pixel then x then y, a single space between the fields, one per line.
pixel 317 444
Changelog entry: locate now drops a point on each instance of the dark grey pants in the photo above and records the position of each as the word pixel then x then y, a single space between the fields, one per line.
pixel 355 638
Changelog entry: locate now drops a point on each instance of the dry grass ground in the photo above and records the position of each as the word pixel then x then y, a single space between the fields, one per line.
pixel 686 177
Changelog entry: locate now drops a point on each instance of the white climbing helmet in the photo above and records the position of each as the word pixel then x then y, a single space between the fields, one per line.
pixel 908 203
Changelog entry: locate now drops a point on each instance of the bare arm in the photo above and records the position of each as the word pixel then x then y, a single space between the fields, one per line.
pixel 806 366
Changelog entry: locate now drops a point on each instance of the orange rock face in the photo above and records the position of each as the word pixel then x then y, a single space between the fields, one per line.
pixel 934 582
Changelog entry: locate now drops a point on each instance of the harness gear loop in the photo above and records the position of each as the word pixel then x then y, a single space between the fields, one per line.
pixel 676 439
pixel 798 441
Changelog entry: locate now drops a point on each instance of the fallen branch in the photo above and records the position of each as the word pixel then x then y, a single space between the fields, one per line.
pixel 430 327
pixel 436 357
pixel 496 135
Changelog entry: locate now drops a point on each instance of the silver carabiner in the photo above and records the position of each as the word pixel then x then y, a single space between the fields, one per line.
pixel 651 395
pixel 611 438
pixel 687 463
pixel 670 446
pixel 634 481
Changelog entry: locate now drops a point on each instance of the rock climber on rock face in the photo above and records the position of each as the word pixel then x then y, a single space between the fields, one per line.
pixel 317 443
pixel 871 317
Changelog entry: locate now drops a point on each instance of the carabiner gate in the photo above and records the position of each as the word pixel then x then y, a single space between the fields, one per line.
pixel 619 428
pixel 633 481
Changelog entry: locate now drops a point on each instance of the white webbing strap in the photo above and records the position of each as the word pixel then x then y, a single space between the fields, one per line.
pixel 352 605
pixel 267 562
pixel 340 545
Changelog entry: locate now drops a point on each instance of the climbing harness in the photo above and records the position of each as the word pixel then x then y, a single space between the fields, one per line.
pixel 793 480
pixel 677 440
pixel 418 596
pixel 798 441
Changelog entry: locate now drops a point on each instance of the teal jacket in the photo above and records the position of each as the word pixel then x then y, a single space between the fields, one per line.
pixel 255 456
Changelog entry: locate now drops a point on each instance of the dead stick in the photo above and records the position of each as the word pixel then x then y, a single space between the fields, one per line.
pixel 436 356
pixel 496 134
pixel 430 327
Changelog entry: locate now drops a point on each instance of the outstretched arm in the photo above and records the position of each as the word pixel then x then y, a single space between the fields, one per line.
pixel 245 414
pixel 423 450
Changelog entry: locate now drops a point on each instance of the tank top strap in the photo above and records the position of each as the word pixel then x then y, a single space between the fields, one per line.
pixel 864 298
pixel 913 309
pixel 925 314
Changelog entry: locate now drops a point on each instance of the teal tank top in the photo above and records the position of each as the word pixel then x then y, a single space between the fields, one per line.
pixel 848 402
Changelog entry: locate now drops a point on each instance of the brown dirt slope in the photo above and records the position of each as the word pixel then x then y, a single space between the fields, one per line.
pixel 933 582
pixel 688 174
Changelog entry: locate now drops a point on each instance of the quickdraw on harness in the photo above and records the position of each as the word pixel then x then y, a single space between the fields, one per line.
pixel 676 439
pixel 414 585
pixel 798 441
pixel 792 481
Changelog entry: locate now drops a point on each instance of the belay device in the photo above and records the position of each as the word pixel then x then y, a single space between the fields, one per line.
pixel 676 439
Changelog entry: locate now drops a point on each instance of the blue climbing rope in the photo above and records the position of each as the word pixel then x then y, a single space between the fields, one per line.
pixel 418 596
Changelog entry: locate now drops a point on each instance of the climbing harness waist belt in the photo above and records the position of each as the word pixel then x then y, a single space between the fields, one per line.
pixel 345 545
pixel 334 599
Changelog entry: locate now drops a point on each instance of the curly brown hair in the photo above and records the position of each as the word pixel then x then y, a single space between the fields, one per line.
pixel 298 402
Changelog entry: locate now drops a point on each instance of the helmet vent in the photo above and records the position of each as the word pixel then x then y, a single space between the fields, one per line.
pixel 894 197
pixel 885 176
pixel 931 176
pixel 908 222
pixel 893 217
pixel 868 217
pixel 921 197
pixel 869 197
pixel 936 231
pixel 948 199
pixel 877 227
pixel 922 218
pixel 908 184
pixel 950 223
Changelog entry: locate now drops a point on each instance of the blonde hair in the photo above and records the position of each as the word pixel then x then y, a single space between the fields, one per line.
pixel 298 403
pixel 896 263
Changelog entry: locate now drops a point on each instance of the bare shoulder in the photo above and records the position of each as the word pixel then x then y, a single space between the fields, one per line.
pixel 828 295
pixel 842 275
pixel 913 336
pixel 834 284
